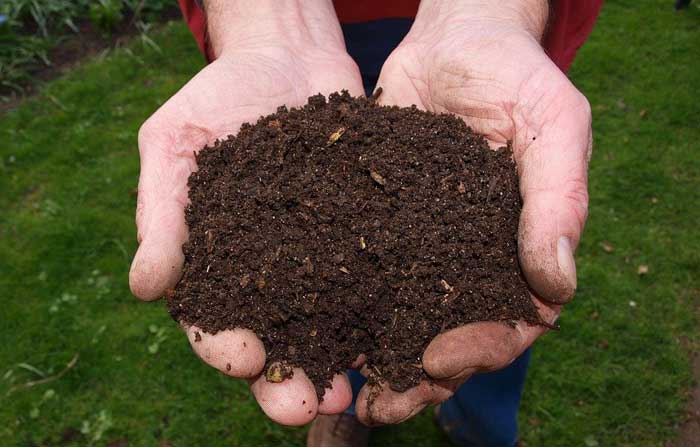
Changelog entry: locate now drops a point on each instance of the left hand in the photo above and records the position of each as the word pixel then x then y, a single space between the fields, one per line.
pixel 268 53
pixel 491 71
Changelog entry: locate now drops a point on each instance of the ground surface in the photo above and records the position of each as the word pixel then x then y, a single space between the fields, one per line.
pixel 617 374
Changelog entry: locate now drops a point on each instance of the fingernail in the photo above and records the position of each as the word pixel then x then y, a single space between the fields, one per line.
pixel 565 258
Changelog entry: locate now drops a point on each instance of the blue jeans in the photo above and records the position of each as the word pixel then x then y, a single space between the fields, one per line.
pixel 483 411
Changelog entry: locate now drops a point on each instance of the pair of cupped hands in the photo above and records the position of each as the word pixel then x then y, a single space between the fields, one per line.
pixel 491 71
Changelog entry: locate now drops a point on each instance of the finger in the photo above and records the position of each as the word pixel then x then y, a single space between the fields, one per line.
pixel 290 402
pixel 380 406
pixel 553 183
pixel 474 347
pixel 237 352
pixel 160 220
pixel 337 398
pixel 481 347
pixel 157 265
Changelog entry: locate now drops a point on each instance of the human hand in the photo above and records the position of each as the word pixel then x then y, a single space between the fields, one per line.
pixel 268 54
pixel 482 61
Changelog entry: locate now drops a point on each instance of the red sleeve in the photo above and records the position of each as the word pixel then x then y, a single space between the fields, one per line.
pixel 570 24
pixel 196 21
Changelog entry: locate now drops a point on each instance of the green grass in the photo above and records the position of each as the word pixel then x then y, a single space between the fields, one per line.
pixel 68 171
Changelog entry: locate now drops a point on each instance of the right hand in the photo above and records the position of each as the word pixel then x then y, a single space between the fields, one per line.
pixel 250 78
pixel 482 61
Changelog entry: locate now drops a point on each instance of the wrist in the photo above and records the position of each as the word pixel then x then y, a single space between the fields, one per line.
pixel 256 24
pixel 526 16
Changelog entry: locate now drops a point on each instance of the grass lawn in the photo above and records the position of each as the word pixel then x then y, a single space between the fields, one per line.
pixel 617 374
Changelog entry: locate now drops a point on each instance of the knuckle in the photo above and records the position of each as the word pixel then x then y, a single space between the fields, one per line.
pixel 583 106
pixel 580 109
pixel 149 131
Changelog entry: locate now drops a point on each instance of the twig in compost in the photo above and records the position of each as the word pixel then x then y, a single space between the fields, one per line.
pixel 375 96
pixel 377 177
pixel 335 136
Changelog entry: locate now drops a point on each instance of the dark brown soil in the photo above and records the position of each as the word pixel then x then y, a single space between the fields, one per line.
pixel 345 228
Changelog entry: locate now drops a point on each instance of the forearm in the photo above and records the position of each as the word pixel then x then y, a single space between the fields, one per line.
pixel 250 23
pixel 528 15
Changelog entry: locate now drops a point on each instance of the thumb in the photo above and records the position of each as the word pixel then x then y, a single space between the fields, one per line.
pixel 160 214
pixel 554 187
